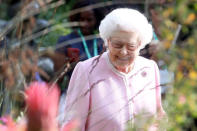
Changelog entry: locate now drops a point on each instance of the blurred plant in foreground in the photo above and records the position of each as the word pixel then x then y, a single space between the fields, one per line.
pixel 42 107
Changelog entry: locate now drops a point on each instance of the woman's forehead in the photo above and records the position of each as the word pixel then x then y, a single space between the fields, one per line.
pixel 125 36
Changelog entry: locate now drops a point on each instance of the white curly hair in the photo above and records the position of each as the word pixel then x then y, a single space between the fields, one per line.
pixel 125 19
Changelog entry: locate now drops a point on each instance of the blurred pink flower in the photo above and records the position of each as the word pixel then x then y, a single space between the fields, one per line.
pixel 10 125
pixel 42 107
pixel 182 99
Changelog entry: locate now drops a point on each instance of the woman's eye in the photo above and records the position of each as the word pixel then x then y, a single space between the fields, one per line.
pixel 132 47
pixel 117 45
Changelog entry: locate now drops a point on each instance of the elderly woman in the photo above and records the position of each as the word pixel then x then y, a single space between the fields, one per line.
pixel 109 91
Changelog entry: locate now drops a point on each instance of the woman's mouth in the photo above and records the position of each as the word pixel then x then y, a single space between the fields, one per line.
pixel 123 58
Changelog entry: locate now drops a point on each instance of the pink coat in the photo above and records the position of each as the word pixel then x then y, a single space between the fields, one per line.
pixel 104 99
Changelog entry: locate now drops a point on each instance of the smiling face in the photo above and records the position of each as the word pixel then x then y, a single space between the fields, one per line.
pixel 123 49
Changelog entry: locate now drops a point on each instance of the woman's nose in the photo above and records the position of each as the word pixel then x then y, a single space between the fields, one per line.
pixel 123 50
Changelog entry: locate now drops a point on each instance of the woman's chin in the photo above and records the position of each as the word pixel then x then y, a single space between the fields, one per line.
pixel 123 66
